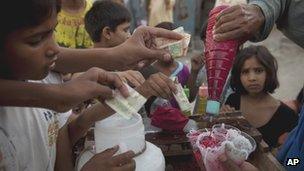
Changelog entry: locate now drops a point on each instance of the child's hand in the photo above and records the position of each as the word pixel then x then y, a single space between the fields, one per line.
pixel 134 78
pixel 141 48
pixel 157 85
pixel 106 161
pixel 91 84
pixel 227 109
pixel 197 62
pixel 231 166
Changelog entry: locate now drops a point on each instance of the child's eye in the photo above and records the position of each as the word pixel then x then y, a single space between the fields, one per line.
pixel 127 30
pixel 35 41
pixel 259 70
pixel 243 72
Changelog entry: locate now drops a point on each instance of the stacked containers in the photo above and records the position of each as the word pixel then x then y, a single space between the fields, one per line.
pixel 219 60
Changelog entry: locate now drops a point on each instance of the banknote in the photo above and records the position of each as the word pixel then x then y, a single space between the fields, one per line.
pixel 181 97
pixel 176 48
pixel 126 107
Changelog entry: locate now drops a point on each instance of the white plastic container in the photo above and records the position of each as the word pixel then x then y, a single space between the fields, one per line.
pixel 115 130
pixel 151 160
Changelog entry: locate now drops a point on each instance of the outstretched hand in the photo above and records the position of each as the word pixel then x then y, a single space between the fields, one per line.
pixel 95 83
pixel 157 85
pixel 140 49
pixel 134 78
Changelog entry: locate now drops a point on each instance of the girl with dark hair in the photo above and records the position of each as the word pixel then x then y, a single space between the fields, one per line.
pixel 253 79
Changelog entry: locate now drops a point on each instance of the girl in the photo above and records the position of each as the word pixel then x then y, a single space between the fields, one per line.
pixel 253 79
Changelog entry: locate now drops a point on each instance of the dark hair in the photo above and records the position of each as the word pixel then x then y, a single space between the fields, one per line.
pixel 203 31
pixel 300 97
pixel 166 25
pixel 105 14
pixel 15 15
pixel 264 57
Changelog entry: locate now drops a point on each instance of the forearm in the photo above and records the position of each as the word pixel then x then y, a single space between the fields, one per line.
pixel 79 60
pixel 79 126
pixel 272 10
pixel 26 94
pixel 191 83
pixel 64 153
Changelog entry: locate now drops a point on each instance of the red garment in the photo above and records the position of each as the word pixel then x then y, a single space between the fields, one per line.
pixel 169 118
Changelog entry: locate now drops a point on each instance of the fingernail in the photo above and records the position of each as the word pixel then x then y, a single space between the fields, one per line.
pixel 113 92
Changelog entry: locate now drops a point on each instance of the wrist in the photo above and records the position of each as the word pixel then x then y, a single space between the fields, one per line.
pixel 119 55
pixel 52 94
pixel 259 12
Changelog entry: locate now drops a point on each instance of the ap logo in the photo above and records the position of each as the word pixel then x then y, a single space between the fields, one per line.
pixel 293 162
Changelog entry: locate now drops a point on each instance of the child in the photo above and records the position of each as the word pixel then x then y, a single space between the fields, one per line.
pixel 107 27
pixel 254 78
pixel 70 31
pixel 29 52
pixel 175 68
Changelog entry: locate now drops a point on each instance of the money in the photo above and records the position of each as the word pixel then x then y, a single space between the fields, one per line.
pixel 176 48
pixel 181 98
pixel 126 107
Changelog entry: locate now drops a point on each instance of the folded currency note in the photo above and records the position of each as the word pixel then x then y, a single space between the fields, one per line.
pixel 176 48
pixel 126 107
pixel 181 97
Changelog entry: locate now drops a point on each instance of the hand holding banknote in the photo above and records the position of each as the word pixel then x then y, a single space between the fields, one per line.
pixel 156 85
pixel 140 49
pixel 176 48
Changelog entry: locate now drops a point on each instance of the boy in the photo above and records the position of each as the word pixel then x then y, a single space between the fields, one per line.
pixel 106 26
pixel 28 52
pixel 109 28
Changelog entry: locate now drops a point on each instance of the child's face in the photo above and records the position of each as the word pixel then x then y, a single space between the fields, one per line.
pixel 253 76
pixel 30 53
pixel 120 35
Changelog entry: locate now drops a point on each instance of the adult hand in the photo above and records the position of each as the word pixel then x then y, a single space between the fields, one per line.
pixel 134 78
pixel 106 161
pixel 140 47
pixel 157 85
pixel 228 164
pixel 239 22
pixel 91 84
pixel 197 62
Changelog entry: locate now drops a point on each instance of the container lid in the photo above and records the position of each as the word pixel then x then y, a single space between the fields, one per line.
pixel 213 107
pixel 203 91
